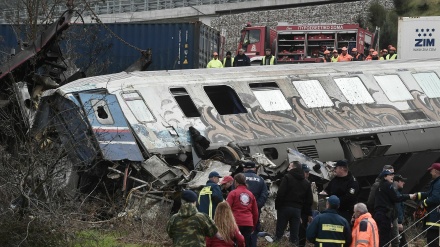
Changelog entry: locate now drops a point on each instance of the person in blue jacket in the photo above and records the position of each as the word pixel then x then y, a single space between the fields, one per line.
pixel 258 188
pixel 211 195
pixel 329 228
pixel 431 201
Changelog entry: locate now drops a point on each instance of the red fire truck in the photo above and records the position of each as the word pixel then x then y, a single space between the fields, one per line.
pixel 303 43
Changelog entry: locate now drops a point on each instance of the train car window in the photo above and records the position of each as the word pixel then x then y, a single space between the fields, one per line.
pixel 393 87
pixel 137 106
pixel 270 96
pixel 354 90
pixel 225 100
pixel 102 113
pixel 312 93
pixel 185 102
pixel 429 82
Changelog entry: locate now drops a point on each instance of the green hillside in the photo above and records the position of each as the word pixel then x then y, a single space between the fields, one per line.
pixel 387 19
pixel 413 8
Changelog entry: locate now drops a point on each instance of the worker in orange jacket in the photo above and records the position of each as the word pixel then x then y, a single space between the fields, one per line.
pixel 364 231
pixel 344 56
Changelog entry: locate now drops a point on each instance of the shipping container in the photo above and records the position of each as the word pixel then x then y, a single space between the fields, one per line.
pixel 174 45
pixel 417 37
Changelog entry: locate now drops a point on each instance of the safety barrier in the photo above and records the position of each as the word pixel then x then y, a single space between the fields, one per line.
pixel 115 6
pixel 418 236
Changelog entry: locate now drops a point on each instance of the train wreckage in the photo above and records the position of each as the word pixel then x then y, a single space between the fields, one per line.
pixel 161 131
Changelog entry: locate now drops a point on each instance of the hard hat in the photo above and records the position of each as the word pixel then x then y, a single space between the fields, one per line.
pixel 384 50
pixel 374 53
pixel 215 54
pixel 354 49
pixel 393 49
pixel 344 48
pixel 335 51
pixel 371 49
pixel 326 52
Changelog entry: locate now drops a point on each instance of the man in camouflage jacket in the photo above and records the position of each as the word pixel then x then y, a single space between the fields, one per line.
pixel 188 228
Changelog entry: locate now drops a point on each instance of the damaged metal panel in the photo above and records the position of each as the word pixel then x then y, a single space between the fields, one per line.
pixel 110 127
pixel 208 166
pixel 161 173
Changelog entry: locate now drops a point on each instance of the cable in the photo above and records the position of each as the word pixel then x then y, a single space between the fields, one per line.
pixel 426 215
pixel 109 30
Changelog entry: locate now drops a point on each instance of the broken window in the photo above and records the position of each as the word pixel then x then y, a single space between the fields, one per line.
pixel 270 96
pixel 185 102
pixel 429 82
pixel 354 90
pixel 102 112
pixel 393 87
pixel 312 93
pixel 137 106
pixel 225 100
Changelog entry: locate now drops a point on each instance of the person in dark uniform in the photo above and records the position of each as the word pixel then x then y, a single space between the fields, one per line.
pixel 306 212
pixel 431 200
pixel 345 186
pixel 329 228
pixel 293 194
pixel 385 201
pixel 241 59
pixel 258 188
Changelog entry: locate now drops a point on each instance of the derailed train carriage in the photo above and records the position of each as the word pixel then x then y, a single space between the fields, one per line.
pixel 370 113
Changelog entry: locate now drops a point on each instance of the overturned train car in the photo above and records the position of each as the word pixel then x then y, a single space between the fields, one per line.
pixel 370 113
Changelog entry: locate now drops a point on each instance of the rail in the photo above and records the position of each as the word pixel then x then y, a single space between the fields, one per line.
pixel 115 6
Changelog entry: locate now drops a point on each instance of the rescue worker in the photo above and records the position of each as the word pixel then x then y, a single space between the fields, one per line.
pixel 188 227
pixel 383 54
pixel 244 207
pixel 226 185
pixel 392 55
pixel 431 200
pixel 241 59
pixel 356 55
pixel 384 205
pixel 293 194
pixel 258 188
pixel 335 56
pixel 329 228
pixel 364 232
pixel 370 201
pixel 214 63
pixel 370 55
pixel 375 57
pixel 306 210
pixel 344 56
pixel 210 195
pixel 228 61
pixel 268 59
pixel 399 182
pixel 345 186
pixel 327 56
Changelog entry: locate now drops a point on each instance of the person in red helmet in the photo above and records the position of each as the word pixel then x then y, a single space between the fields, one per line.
pixel 356 55
pixel 335 56
pixel 431 201
pixel 392 55
pixel 344 56
pixel 327 56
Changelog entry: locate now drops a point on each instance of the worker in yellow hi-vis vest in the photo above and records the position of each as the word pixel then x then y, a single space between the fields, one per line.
pixel 210 195
pixel 329 228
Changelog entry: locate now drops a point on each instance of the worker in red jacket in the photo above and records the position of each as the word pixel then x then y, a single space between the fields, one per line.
pixel 244 207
